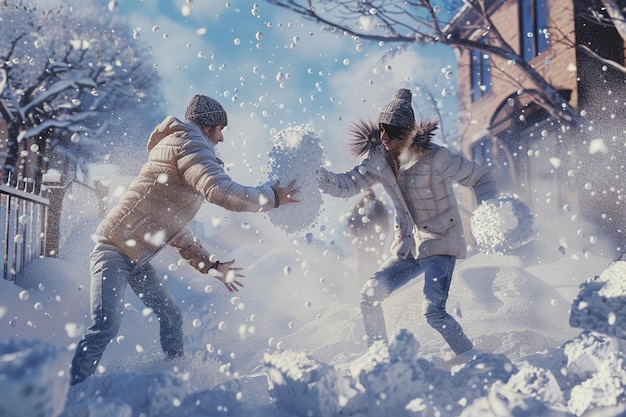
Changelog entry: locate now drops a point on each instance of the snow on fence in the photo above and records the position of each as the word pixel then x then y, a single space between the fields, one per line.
pixel 23 224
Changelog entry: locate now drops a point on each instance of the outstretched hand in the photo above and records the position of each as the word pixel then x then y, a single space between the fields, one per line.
pixel 285 194
pixel 228 275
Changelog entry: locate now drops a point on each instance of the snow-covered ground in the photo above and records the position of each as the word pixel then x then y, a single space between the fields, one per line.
pixel 291 342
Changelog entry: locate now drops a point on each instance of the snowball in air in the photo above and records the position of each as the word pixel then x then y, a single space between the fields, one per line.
pixel 500 225
pixel 296 155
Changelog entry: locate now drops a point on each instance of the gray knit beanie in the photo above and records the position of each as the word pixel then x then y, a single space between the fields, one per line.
pixel 398 112
pixel 205 111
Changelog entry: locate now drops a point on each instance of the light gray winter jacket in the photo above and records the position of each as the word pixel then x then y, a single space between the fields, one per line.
pixel 427 217
pixel 182 171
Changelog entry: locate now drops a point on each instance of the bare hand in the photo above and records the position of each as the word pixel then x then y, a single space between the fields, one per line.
pixel 285 194
pixel 228 275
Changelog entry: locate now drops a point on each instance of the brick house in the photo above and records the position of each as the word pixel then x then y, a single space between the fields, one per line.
pixel 544 161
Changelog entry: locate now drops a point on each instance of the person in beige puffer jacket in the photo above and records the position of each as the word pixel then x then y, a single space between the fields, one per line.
pixel 181 173
pixel 417 175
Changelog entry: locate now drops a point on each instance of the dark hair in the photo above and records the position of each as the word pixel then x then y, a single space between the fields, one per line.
pixel 394 132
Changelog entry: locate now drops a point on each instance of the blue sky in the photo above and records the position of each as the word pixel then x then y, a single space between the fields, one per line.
pixel 270 69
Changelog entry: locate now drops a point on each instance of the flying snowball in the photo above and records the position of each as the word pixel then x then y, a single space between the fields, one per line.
pixel 500 225
pixel 297 154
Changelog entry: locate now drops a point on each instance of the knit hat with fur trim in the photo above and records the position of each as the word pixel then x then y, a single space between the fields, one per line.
pixel 398 112
pixel 205 111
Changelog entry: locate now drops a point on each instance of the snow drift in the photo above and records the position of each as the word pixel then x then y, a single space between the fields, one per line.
pixel 584 375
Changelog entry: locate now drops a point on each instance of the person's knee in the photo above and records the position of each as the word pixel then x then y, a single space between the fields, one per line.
pixel 371 294
pixel 106 326
pixel 435 317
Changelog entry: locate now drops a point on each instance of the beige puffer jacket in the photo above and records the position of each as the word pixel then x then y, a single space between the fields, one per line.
pixel 182 171
pixel 427 217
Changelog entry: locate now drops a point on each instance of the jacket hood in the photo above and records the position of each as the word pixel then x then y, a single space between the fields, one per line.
pixel 170 125
pixel 366 136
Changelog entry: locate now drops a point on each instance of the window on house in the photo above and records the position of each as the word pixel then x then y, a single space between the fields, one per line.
pixel 480 75
pixel 534 25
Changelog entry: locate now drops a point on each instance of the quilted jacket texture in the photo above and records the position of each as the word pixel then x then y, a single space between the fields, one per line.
pixel 427 218
pixel 182 172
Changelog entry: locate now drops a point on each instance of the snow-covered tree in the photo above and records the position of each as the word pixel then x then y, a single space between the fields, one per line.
pixel 67 73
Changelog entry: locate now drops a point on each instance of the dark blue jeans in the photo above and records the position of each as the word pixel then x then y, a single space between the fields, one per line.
pixel 111 271
pixel 394 274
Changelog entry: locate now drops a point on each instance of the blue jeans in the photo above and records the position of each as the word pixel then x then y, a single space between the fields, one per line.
pixel 111 270
pixel 395 273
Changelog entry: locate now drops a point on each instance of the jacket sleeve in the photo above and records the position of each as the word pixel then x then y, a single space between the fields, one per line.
pixel 203 170
pixel 190 249
pixel 467 173
pixel 347 184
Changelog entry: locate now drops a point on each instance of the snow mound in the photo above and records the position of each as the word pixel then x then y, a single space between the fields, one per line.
pixel 394 380
pixel 391 376
pixel 503 399
pixel 297 154
pixel 537 383
pixel 500 225
pixel 309 385
pixel 33 378
pixel 159 393
pixel 601 302
pixel 585 353
pixel 596 360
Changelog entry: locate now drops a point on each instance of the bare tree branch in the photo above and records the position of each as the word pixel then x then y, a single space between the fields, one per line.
pixel 605 61
pixel 419 22
pixel 616 15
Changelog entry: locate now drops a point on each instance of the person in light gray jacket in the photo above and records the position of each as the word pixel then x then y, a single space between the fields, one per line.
pixel 417 174
pixel 181 173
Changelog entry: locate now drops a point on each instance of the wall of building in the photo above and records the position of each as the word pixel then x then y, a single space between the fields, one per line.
pixel 555 165
pixel 557 65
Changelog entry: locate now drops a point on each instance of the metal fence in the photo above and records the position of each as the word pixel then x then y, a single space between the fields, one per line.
pixel 23 226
